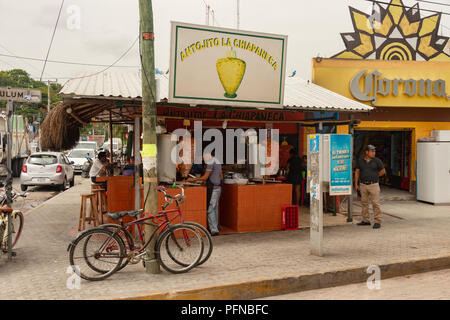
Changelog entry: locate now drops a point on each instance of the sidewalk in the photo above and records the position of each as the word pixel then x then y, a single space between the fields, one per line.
pixel 410 231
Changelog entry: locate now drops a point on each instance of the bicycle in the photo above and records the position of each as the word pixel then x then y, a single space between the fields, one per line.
pixel 110 246
pixel 179 198
pixel 17 221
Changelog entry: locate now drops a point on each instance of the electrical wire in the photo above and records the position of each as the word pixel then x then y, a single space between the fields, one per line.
pixel 53 36
pixel 397 5
pixel 108 67
pixel 64 62
pixel 433 2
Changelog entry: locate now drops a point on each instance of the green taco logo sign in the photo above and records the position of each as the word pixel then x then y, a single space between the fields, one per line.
pixel 220 66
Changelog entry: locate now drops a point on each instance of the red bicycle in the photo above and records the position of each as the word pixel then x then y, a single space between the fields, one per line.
pixel 109 248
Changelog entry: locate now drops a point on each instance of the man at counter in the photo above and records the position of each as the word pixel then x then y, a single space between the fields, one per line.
pixel 213 177
pixel 294 166
pixel 99 168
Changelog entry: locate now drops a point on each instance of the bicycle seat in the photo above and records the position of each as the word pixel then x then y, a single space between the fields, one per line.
pixel 120 214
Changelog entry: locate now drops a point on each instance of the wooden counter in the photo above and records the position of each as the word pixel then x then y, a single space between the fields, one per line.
pixel 120 197
pixel 253 207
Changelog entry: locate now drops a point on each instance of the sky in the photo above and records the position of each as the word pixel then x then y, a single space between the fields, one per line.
pixel 100 31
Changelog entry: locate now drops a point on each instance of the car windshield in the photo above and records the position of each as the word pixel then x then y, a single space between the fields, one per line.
pixel 80 153
pixel 86 145
pixel 115 146
pixel 42 159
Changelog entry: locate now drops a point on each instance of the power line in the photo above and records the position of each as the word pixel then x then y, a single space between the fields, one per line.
pixel 397 5
pixel 432 2
pixel 65 62
pixel 111 65
pixel 53 36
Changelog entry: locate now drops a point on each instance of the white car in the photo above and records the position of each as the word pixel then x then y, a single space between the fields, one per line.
pixel 92 145
pixel 47 168
pixel 79 157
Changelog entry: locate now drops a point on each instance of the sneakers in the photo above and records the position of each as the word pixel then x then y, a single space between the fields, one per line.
pixel 376 225
pixel 363 223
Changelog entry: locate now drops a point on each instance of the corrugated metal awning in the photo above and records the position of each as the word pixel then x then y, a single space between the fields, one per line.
pixel 299 94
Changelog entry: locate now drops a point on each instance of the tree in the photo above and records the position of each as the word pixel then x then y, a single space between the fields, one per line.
pixel 19 78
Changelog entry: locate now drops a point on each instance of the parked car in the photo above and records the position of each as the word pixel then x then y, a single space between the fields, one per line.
pixel 92 145
pixel 79 157
pixel 47 168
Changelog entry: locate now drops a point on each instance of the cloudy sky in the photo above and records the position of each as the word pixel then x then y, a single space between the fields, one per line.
pixel 109 27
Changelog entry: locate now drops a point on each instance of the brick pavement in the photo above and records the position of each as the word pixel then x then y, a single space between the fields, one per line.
pixel 39 271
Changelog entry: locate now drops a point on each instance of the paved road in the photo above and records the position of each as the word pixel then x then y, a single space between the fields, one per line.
pixel 37 195
pixel 422 286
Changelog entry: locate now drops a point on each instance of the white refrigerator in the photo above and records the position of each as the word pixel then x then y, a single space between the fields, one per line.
pixel 433 172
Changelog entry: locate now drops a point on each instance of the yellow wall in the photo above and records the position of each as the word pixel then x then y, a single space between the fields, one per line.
pixel 419 130
pixel 336 75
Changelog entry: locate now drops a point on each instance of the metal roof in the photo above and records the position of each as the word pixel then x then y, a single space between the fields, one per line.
pixel 299 94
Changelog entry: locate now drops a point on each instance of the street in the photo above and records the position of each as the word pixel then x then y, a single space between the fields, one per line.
pixel 36 195
pixel 422 286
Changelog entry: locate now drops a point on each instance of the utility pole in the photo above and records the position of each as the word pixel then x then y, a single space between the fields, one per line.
pixel 207 15
pixel 9 179
pixel 237 14
pixel 48 96
pixel 149 125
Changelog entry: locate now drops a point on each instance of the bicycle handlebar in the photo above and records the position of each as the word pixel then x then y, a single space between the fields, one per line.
pixel 177 197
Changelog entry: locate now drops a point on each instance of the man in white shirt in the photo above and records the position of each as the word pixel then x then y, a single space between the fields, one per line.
pixel 99 168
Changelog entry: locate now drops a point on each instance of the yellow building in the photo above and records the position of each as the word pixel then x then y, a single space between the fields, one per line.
pixel 395 61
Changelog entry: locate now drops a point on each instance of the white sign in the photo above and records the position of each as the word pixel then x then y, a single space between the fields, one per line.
pixel 218 66
pixel 20 95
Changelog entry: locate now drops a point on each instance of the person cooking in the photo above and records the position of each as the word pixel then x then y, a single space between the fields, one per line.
pixel 213 177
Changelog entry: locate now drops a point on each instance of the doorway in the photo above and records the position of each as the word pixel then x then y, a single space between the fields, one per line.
pixel 394 149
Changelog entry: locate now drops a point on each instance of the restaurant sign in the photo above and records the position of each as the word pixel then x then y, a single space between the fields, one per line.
pixel 340 165
pixel 20 95
pixel 218 66
pixel 232 114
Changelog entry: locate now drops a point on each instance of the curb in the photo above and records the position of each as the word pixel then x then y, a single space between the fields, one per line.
pixel 278 286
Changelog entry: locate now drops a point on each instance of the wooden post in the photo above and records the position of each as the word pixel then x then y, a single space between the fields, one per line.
pixel 110 137
pixel 149 125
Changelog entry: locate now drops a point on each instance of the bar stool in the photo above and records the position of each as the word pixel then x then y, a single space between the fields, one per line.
pixel 101 203
pixel 93 211
pixel 96 186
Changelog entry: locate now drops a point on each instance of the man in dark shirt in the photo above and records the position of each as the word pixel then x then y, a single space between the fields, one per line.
pixel 368 170
pixel 294 166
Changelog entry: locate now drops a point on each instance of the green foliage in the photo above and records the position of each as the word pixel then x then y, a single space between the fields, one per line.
pixel 19 78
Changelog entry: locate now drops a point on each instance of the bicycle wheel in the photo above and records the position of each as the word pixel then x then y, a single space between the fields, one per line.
pixel 97 253
pixel 126 238
pixel 182 242
pixel 207 242
pixel 17 226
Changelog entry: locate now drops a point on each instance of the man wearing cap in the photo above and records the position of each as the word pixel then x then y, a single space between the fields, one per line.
pixel 368 170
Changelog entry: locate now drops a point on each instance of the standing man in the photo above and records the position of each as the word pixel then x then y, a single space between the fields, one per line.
pixel 294 166
pixel 368 169
pixel 213 177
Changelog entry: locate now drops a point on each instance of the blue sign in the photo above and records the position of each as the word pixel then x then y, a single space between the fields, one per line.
pixel 314 143
pixel 340 164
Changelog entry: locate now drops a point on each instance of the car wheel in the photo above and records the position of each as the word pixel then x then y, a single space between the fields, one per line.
pixel 23 187
pixel 62 187
pixel 72 182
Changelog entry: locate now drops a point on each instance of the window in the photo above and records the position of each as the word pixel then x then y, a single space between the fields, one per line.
pixel 42 159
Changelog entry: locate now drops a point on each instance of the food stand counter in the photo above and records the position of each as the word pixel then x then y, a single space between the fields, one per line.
pixel 120 197
pixel 253 207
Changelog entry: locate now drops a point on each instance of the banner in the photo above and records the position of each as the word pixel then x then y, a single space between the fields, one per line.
pixel 218 66
pixel 340 164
